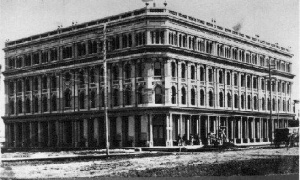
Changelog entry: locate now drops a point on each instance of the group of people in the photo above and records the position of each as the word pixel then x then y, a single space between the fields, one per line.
pixel 212 138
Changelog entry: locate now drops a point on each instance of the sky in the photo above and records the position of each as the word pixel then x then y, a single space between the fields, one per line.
pixel 275 21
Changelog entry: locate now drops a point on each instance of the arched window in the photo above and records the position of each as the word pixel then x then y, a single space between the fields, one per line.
pixel 101 74
pixel 273 104
pixel 102 97
pixel 228 100
pixel 127 70
pixel 81 100
pixel 67 96
pixel 283 105
pixel 67 77
pixel 27 105
pixel 92 76
pixel 140 95
pixel 243 84
pixel 269 104
pixel 158 95
pixel 173 95
pixel 235 78
pixel 53 82
pixel 201 97
pixel 20 103
pixel 173 64
pixel 36 104
pixel 193 94
pixel 116 97
pixel 236 101
pixel 193 72
pixel 81 78
pixel 242 101
pixel 127 96
pixel 221 99
pixel 115 72
pixel 255 82
pixel 12 107
pixel 255 103
pixel 249 101
pixel 279 105
pixel 210 75
pixel 93 99
pixel 263 84
pixel 45 104
pixel 182 70
pixel 19 86
pixel 202 75
pixel 221 77
pixel 180 40
pixel 157 69
pixel 288 105
pixel 44 82
pixel 248 81
pixel 35 84
pixel 263 104
pixel 27 85
pixel 183 96
pixel 228 78
pixel 211 99
pixel 53 103
pixel 139 69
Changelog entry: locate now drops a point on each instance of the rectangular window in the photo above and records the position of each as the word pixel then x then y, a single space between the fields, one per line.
pixel 157 69
pixel 67 52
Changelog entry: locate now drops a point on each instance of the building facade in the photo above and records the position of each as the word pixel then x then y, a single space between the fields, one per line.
pixel 169 75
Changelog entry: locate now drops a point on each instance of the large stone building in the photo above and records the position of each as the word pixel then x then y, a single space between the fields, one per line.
pixel 169 75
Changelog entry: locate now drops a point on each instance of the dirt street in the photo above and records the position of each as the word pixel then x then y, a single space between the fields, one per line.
pixel 133 166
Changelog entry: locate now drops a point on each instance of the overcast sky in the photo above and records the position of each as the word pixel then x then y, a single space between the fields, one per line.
pixel 276 21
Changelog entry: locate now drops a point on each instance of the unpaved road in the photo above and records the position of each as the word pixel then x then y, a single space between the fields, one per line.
pixel 174 162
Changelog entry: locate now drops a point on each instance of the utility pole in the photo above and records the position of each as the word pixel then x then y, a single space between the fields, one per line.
pixel 105 89
pixel 271 67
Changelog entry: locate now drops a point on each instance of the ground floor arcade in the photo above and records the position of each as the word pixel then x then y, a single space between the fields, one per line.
pixel 150 129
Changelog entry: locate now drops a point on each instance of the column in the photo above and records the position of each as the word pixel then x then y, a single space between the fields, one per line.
pixel 24 135
pixel 31 134
pixel 180 126
pixel 40 138
pixel 247 130
pixel 96 131
pixel 208 129
pixel 15 134
pixel 241 130
pixel 267 130
pixel 261 129
pixel 150 130
pixel 188 128
pixel 168 130
pixel 131 130
pixel 233 130
pixel 85 132
pixel 227 130
pixel 119 137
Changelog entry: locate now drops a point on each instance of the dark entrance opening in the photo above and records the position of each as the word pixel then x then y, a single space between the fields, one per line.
pixel 159 130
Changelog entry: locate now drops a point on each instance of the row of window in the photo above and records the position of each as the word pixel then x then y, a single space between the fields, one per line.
pixel 156 37
pixel 211 100
pixel 245 80
pixel 249 103
pixel 222 50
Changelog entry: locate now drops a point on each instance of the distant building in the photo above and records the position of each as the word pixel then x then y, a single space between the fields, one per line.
pixel 170 75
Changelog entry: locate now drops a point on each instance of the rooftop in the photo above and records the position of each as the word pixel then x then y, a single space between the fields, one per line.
pixel 148 11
